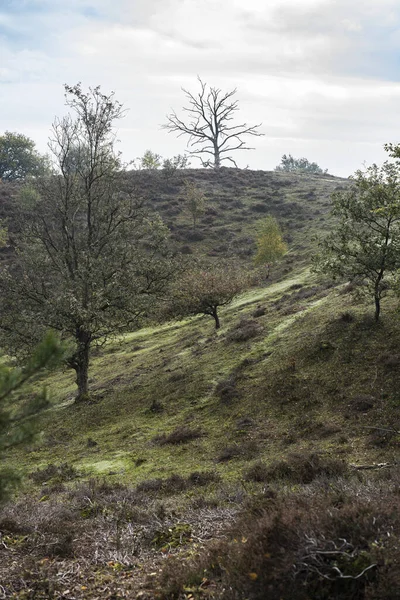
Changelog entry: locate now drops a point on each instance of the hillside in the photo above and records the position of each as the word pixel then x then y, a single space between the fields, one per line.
pixel 236 200
pixel 262 457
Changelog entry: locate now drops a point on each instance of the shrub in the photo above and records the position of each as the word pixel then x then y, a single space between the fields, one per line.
pixel 63 472
pixel 245 330
pixel 300 547
pixel 180 435
pixel 256 472
pixel 259 312
pixel 304 468
pixel 226 390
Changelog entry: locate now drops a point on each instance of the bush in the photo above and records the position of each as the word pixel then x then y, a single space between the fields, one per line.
pixel 259 312
pixel 245 330
pixel 300 547
pixel 304 468
pixel 257 472
pixel 63 472
pixel 226 390
pixel 180 435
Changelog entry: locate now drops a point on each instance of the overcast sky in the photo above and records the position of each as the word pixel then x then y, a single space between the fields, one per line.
pixel 323 76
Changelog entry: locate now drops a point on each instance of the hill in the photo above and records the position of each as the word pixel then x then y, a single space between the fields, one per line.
pixel 236 200
pixel 257 461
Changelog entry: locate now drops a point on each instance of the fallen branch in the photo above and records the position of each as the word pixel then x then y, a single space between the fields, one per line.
pixel 382 429
pixel 373 466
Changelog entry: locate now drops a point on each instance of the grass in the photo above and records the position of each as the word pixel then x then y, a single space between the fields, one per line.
pixel 189 430
pixel 294 365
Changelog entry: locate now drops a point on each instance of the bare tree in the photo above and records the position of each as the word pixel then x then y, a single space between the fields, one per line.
pixel 209 127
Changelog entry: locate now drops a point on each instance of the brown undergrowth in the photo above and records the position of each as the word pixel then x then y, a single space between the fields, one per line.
pixel 332 540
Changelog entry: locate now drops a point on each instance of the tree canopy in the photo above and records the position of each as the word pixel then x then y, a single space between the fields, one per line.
pixel 270 243
pixel 290 164
pixel 203 290
pixel 150 161
pixel 364 245
pixel 91 259
pixel 18 427
pixel 19 158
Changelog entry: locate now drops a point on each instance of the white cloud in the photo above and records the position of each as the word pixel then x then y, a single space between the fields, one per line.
pixel 322 75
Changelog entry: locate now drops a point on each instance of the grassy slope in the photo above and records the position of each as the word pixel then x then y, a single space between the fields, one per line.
pixel 294 386
pixel 316 375
pixel 295 380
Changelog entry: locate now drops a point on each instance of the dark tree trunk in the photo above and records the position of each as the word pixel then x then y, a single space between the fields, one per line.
pixel 377 307
pixel 216 318
pixel 80 362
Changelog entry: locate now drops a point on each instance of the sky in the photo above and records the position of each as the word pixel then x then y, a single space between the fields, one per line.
pixel 322 76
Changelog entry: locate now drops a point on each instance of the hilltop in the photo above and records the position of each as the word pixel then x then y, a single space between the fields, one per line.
pixel 236 200
pixel 249 454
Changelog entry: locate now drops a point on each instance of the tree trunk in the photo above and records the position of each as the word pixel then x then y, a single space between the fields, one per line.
pixel 80 362
pixel 216 318
pixel 217 158
pixel 377 307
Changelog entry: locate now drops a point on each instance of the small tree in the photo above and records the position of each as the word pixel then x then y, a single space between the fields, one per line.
pixel 170 166
pixel 19 158
pixel 17 428
pixel 204 291
pixel 91 260
pixel 209 126
pixel 194 200
pixel 270 244
pixel 365 243
pixel 299 165
pixel 150 161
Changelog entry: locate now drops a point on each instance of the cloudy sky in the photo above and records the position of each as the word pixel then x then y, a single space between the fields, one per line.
pixel 323 76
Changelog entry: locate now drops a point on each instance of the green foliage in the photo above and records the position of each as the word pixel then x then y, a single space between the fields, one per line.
pixel 270 244
pixel 364 246
pixel 91 259
pixel 18 158
pixel 170 166
pixel 150 161
pixel 19 427
pixel 289 164
pixel 194 200
pixel 173 537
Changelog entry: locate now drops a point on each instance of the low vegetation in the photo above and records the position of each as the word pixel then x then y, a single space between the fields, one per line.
pixel 252 455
